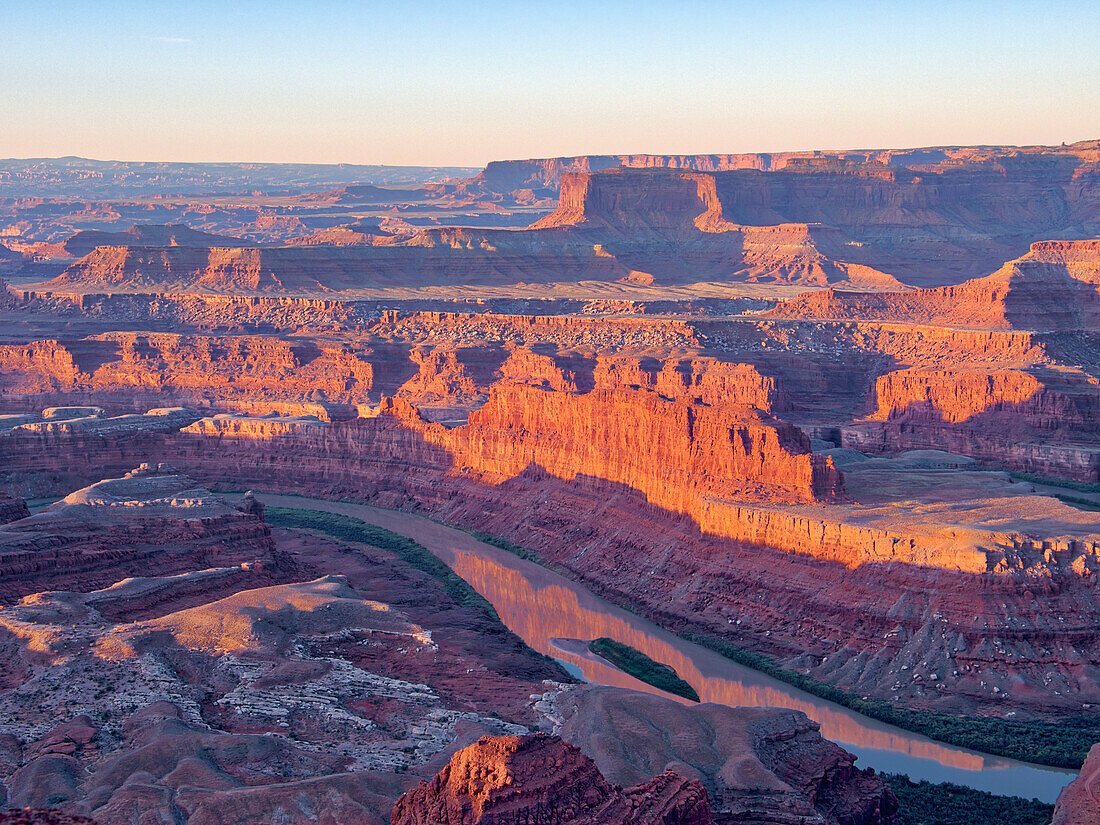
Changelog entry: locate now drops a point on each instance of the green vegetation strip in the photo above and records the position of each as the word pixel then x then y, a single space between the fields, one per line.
pixel 1061 744
pixel 413 553
pixel 514 549
pixel 925 803
pixel 1079 503
pixel 641 667
pixel 1080 486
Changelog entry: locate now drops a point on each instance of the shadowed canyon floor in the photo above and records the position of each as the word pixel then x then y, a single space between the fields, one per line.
pixel 216 695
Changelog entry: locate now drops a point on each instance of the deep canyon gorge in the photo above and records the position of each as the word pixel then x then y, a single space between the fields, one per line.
pixel 832 415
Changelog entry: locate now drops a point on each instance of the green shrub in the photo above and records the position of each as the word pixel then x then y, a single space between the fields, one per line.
pixel 416 555
pixel 926 803
pixel 412 553
pixel 641 667
pixel 1062 744
pixel 1081 486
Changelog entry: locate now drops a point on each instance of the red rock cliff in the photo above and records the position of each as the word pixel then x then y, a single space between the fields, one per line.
pixel 675 451
pixel 1053 286
pixel 186 368
pixel 1079 801
pixel 508 779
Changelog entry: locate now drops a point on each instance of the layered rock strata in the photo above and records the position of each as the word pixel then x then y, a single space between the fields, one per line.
pixel 540 778
pixel 757 765
pixel 132 366
pixel 12 508
pixel 952 602
pixel 1079 802
pixel 150 520
pixel 1053 286
pixel 813 221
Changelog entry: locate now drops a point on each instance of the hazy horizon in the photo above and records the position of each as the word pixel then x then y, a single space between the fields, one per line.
pixel 216 161
pixel 434 84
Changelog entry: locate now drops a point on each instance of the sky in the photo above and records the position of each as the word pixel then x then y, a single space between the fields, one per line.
pixel 463 82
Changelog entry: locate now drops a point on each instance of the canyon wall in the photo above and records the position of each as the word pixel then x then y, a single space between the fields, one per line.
pixel 523 778
pixel 1079 802
pixel 146 522
pixel 890 614
pixel 135 366
pixel 675 452
pixel 1052 287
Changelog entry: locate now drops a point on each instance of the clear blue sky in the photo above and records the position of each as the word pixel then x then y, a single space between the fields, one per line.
pixel 465 82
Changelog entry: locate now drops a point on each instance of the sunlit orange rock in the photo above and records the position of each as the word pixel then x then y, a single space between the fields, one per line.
pixel 1079 802
pixel 186 367
pixel 1053 286
pixel 507 779
pixel 677 452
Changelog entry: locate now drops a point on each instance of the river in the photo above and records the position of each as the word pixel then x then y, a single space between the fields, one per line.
pixel 556 616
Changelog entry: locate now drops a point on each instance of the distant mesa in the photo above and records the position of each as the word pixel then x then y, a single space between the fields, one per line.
pixel 145 235
pixel 364 194
pixel 87 178
pixel 864 221
pixel 1056 285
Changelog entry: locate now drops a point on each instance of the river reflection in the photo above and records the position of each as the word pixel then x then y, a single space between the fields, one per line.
pixel 557 616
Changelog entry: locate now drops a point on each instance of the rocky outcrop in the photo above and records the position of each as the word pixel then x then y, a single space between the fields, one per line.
pixel 152 520
pixel 432 257
pixel 1079 801
pixel 881 214
pixel 952 397
pixel 540 778
pixel 757 765
pixel 146 235
pixel 1052 287
pixel 191 369
pixel 12 508
pixel 678 453
pixel 1039 421
pixel 639 217
pixel 218 696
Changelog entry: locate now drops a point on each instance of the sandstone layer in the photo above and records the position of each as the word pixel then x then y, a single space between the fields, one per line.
pixel 540 778
pixel 248 693
pixel 757 765
pixel 150 520
pixel 1079 803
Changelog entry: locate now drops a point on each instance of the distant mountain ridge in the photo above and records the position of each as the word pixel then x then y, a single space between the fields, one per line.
pixel 87 178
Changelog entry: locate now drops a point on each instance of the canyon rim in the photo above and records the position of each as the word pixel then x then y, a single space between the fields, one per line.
pixel 535 467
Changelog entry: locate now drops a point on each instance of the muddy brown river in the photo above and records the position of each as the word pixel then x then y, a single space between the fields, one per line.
pixel 557 616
